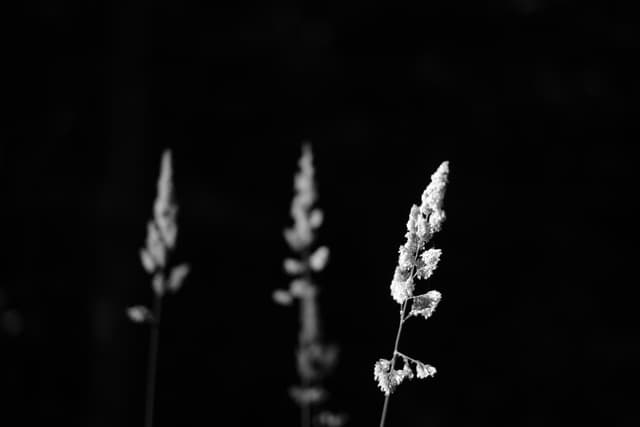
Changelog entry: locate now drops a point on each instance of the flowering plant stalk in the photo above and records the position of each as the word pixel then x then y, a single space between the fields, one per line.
pixel 162 232
pixel 415 262
pixel 315 359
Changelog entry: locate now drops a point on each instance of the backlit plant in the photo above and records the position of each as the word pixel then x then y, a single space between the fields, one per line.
pixel 315 358
pixel 162 232
pixel 415 261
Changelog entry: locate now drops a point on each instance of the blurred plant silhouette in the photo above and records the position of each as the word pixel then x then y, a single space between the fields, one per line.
pixel 162 232
pixel 315 358
pixel 414 262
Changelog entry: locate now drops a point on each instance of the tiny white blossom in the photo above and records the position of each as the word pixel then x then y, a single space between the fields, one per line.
pixel 147 261
pixel 177 276
pixel 405 260
pixel 401 286
pixel 423 370
pixel 414 216
pixel 282 297
pixel 381 375
pixel 293 266
pixel 318 260
pixel 430 259
pixel 425 304
pixel 316 217
pixel 407 372
pixel 436 219
pixel 139 314
pixel 433 196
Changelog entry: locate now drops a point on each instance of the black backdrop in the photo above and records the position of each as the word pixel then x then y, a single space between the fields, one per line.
pixel 533 103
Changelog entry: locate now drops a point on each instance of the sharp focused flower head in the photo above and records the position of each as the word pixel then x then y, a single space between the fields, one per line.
pixel 424 221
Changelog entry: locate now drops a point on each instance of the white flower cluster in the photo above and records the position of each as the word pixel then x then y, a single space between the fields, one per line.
pixel 425 304
pixel 389 378
pixel 162 232
pixel 306 219
pixel 301 235
pixel 424 221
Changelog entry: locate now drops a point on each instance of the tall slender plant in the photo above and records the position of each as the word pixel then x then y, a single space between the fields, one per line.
pixel 415 262
pixel 315 358
pixel 162 232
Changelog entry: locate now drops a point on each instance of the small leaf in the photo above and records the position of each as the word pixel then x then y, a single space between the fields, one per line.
pixel 139 314
pixel 282 297
pixel 319 258
pixel 178 274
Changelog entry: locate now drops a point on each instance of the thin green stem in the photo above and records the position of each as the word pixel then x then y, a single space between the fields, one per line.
pixel 153 360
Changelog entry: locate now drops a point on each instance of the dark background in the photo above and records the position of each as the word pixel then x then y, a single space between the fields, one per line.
pixel 533 102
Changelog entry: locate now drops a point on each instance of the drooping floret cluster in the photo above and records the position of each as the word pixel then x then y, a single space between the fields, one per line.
pixel 388 379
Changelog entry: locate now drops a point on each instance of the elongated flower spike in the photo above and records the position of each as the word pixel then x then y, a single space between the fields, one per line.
pixel 415 261
pixel 162 232
pixel 315 358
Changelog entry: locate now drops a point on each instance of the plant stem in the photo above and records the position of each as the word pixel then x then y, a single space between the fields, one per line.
pixel 309 333
pixel 305 414
pixel 383 417
pixel 153 360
